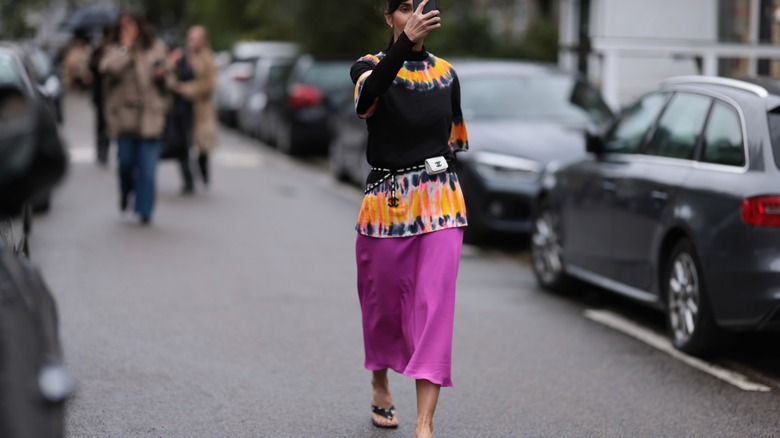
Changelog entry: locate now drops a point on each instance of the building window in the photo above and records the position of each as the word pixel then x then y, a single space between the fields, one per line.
pixel 734 26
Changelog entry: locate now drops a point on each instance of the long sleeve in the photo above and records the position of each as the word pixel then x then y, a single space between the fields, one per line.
pixel 459 137
pixel 372 76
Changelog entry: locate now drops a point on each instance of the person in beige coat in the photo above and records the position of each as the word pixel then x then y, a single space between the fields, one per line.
pixel 199 92
pixel 136 81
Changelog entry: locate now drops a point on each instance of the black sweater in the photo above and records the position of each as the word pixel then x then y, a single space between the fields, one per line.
pixel 410 101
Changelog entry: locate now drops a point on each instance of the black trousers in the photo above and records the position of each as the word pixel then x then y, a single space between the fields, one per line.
pixel 101 134
pixel 186 169
pixel 203 165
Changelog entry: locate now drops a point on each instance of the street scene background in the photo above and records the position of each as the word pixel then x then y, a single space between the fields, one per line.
pixel 235 313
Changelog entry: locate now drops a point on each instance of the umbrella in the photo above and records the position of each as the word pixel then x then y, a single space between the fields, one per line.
pixel 96 15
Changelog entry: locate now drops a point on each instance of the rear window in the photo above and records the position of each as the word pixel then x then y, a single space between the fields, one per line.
pixel 723 138
pixel 774 131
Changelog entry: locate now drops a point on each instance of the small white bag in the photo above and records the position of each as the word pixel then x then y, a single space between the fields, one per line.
pixel 436 165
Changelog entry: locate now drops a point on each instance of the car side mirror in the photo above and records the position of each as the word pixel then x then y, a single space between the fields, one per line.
pixel 594 141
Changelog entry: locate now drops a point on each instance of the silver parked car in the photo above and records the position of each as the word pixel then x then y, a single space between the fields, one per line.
pixel 676 205
pixel 234 79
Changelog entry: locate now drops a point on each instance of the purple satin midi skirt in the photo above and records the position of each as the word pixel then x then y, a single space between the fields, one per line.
pixel 406 287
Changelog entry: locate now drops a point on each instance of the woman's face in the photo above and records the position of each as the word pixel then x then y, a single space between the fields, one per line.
pixel 397 19
pixel 128 27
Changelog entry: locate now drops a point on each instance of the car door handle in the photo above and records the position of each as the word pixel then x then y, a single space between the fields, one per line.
pixel 659 195
pixel 609 186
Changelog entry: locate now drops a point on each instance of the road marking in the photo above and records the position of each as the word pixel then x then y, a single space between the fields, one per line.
pixel 661 343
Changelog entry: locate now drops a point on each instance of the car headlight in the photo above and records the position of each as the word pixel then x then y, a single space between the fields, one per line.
pixel 493 166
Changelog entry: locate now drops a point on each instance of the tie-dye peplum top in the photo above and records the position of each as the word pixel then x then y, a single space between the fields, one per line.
pixel 411 103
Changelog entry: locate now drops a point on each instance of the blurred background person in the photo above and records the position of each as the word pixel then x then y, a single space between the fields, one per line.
pixel 179 124
pixel 199 91
pixel 76 74
pixel 134 74
pixel 101 128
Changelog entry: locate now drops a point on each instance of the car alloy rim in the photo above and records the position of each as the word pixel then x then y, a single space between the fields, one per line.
pixel 546 249
pixel 683 297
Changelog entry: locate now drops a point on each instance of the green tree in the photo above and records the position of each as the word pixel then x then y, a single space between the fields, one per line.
pixel 350 30
pixel 13 17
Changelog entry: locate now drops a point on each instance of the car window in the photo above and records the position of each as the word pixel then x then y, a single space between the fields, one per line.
pixel 277 77
pixel 328 75
pixel 723 138
pixel 512 96
pixel 774 131
pixel 8 73
pixel 627 134
pixel 680 127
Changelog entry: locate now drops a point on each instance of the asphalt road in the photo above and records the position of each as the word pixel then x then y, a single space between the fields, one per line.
pixel 236 315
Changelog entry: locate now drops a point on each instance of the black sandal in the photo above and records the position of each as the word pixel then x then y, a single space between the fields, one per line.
pixel 382 412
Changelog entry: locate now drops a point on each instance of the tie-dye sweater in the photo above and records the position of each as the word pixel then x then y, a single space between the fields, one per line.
pixel 411 103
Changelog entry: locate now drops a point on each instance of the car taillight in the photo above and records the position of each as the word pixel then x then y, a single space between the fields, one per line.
pixel 303 95
pixel 762 211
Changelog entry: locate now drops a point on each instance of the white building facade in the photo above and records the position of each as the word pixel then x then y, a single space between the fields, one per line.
pixel 629 46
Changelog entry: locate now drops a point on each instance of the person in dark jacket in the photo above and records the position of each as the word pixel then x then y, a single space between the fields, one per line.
pixel 101 128
pixel 179 124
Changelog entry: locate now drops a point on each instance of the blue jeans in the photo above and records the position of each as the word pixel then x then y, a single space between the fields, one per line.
pixel 138 159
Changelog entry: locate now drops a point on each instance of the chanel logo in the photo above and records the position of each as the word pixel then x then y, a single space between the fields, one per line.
pixel 438 164
pixel 393 202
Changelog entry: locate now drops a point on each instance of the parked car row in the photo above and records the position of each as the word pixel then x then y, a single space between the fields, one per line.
pixel 283 98
pixel 234 79
pixel 44 77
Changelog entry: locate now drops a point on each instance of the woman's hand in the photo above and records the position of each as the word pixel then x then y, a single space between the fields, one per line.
pixel 420 25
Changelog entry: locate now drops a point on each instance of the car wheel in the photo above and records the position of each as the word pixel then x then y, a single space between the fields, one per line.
pixel 547 251
pixel 689 317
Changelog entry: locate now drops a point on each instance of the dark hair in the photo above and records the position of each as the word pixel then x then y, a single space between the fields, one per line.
pixel 392 5
pixel 146 35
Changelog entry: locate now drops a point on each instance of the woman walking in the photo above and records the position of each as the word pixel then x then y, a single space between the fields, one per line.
pixel 198 91
pixel 410 223
pixel 133 69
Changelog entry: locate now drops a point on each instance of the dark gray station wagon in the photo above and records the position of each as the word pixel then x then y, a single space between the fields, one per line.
pixel 676 205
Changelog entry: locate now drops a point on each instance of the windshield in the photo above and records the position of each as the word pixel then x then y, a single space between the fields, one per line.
pixel 560 98
pixel 328 75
